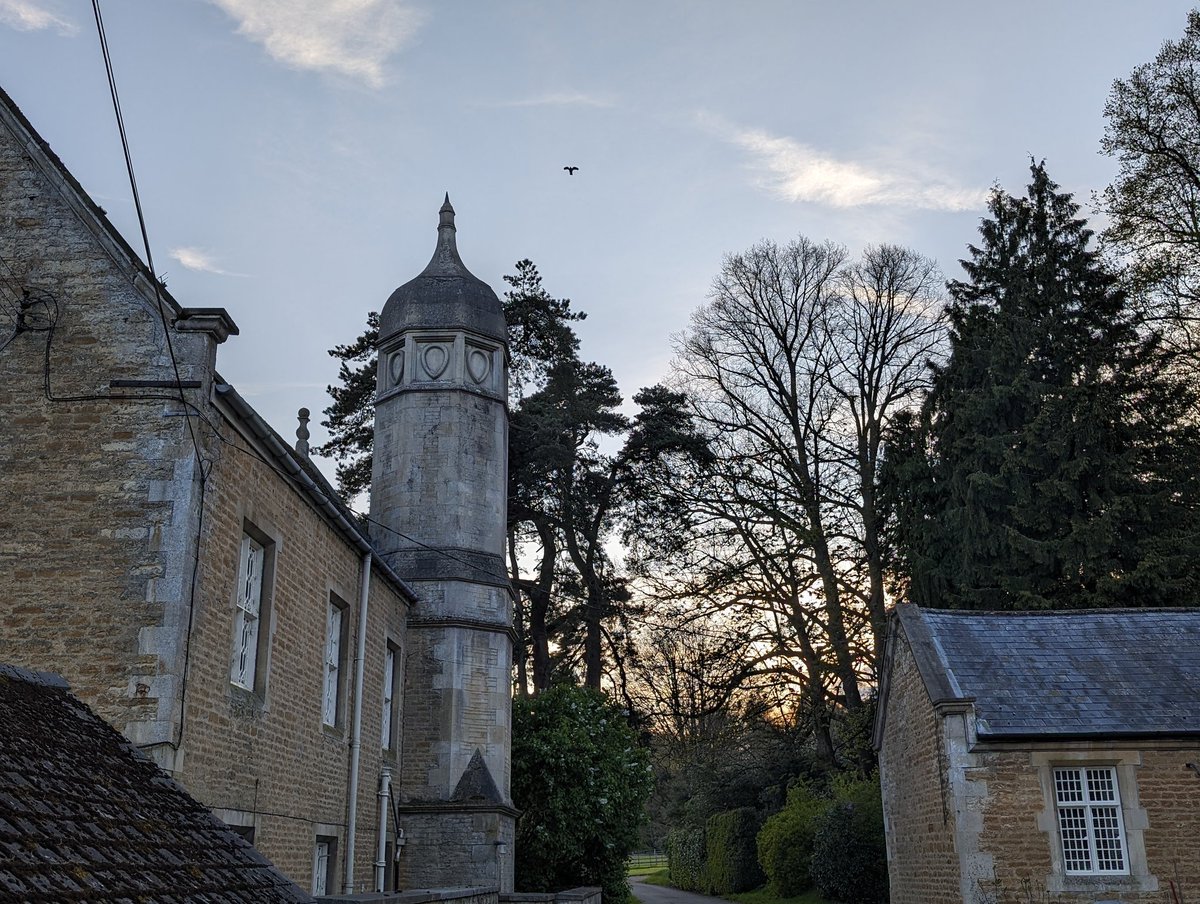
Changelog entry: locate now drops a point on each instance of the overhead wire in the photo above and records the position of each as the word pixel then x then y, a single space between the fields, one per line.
pixel 190 409
pixel 556 596
pixel 137 203
pixel 162 313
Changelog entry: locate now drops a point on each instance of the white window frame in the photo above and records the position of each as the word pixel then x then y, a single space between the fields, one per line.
pixel 1087 800
pixel 322 854
pixel 391 666
pixel 335 632
pixel 248 616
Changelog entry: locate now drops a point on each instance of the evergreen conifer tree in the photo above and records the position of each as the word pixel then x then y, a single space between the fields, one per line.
pixel 1055 462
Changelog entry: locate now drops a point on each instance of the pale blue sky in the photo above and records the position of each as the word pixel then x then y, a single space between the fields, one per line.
pixel 292 154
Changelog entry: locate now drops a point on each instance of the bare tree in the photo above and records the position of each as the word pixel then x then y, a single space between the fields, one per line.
pixel 886 329
pixel 794 367
pixel 1152 129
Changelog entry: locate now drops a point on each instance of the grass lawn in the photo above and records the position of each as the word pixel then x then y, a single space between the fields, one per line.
pixel 652 875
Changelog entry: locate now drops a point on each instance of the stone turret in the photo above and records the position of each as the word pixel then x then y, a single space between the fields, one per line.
pixel 440 487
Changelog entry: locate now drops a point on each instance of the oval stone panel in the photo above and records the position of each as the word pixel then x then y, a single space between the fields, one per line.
pixel 435 360
pixel 479 364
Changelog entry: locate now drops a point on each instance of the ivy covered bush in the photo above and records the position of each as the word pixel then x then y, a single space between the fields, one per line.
pixel 730 851
pixel 685 859
pixel 581 780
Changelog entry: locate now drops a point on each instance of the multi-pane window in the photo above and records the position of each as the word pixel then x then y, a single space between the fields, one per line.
pixel 322 854
pixel 389 696
pixel 1089 820
pixel 248 617
pixel 333 662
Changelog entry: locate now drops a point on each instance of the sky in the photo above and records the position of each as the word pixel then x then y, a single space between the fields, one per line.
pixel 291 155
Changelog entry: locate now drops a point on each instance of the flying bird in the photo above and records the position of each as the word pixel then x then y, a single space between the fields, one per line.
pixel 570 170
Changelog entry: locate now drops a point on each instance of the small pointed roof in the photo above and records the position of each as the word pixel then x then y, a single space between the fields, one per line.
pixel 445 295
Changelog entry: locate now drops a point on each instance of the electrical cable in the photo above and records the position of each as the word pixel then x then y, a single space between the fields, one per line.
pixel 137 203
pixel 162 313
pixel 556 596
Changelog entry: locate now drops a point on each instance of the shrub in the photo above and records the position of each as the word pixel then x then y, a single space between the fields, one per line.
pixel 731 858
pixel 785 844
pixel 582 782
pixel 849 858
pixel 685 859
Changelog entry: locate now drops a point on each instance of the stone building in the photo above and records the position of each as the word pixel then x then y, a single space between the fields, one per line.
pixel 200 585
pixel 1041 756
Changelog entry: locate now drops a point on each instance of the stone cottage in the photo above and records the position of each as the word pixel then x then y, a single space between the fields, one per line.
pixel 1041 756
pixel 338 695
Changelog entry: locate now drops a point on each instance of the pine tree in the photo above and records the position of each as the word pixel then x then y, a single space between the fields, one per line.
pixel 1054 463
pixel 350 418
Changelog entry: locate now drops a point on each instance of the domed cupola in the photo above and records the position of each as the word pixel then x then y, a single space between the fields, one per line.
pixel 439 501
pixel 445 295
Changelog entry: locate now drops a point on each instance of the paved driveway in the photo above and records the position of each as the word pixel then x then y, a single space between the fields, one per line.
pixel 658 894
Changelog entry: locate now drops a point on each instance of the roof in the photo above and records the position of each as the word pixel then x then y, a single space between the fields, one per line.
pixel 85 816
pixel 312 484
pixel 90 212
pixel 1065 673
pixel 445 295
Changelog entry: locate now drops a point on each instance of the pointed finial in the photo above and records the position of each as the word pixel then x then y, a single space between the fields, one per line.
pixel 302 432
pixel 446 214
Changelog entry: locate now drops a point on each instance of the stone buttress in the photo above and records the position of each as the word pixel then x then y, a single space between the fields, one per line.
pixel 439 490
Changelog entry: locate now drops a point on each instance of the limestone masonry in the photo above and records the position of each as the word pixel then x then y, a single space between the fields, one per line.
pixel 341 698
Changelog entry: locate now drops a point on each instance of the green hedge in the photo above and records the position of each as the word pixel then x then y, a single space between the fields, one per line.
pixel 731 855
pixel 849 857
pixel 685 859
pixel 785 844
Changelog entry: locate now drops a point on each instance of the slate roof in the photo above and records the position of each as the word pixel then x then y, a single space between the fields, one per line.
pixel 1063 674
pixel 84 816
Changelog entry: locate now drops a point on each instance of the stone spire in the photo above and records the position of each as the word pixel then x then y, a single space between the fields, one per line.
pixel 440 484
pixel 446 261
pixel 445 293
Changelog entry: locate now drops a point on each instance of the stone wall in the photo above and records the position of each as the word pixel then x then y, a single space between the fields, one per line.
pixel 268 756
pixel 100 480
pixel 918 808
pixel 445 841
pixel 975 823
pixel 100 528
pixel 1160 801
pixel 427 896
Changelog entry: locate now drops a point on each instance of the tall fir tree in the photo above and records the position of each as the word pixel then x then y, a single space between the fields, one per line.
pixel 1055 462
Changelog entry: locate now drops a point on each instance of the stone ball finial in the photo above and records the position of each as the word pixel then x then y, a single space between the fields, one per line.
pixel 302 432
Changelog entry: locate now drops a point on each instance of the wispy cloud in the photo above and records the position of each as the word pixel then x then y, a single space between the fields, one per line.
pixel 797 172
pixel 354 38
pixel 199 260
pixel 561 99
pixel 34 15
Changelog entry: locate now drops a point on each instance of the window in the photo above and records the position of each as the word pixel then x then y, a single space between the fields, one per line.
pixel 390 676
pixel 323 852
pixel 1090 827
pixel 335 627
pixel 245 668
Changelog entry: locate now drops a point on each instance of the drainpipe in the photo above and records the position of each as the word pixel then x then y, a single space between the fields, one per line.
pixel 356 730
pixel 385 793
